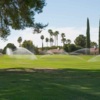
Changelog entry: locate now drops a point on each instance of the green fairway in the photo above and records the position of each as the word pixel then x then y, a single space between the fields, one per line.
pixel 50 77
pixel 51 62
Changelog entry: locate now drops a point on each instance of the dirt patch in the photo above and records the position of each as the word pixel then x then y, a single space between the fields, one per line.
pixel 28 70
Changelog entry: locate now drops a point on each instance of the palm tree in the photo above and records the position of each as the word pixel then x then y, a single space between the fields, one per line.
pixel 63 41
pixel 42 38
pixel 51 41
pixel 62 35
pixel 47 40
pixel 19 41
pixel 68 41
pixel 63 38
pixel 56 37
pixel 51 34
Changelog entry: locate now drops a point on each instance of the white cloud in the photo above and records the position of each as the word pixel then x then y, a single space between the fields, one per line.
pixel 27 34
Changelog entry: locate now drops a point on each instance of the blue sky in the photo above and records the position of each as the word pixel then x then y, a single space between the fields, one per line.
pixel 68 16
pixel 70 13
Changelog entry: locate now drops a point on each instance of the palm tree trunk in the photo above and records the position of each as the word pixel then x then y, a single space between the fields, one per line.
pixel 42 44
pixel 57 40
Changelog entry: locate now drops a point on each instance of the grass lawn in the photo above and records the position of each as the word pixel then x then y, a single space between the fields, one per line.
pixel 50 77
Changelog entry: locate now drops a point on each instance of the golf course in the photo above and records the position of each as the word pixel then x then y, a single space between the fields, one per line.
pixel 50 77
pixel 49 50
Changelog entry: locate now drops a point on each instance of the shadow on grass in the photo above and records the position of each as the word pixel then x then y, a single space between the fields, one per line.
pixel 49 84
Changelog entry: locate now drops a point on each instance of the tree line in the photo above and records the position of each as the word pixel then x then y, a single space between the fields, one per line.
pixel 80 41
pixel 19 14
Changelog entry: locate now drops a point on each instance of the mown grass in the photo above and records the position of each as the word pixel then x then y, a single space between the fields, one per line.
pixel 52 77
pixel 51 61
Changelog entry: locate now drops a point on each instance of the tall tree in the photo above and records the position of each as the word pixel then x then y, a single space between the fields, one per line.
pixel 99 36
pixel 19 41
pixel 19 14
pixel 47 40
pixel 51 35
pixel 42 38
pixel 62 35
pixel 88 36
pixel 63 38
pixel 51 41
pixel 56 37
pixel 63 41
pixel 50 32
